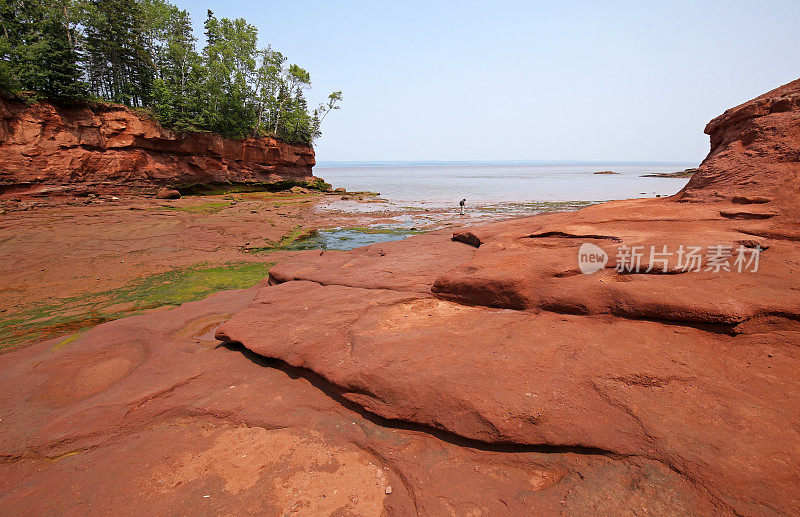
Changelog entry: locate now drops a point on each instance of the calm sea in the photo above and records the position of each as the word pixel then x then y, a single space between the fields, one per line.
pixel 504 183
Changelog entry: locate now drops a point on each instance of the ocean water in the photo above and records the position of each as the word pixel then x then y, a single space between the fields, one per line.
pixel 500 183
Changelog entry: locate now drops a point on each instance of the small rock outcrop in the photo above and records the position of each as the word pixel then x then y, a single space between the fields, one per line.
pixel 120 149
pixel 166 193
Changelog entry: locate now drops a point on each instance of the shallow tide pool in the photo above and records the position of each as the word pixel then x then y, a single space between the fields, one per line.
pixel 349 238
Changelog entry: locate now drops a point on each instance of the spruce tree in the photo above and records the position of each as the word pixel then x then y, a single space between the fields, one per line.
pixel 38 50
pixel 118 64
pixel 175 98
pixel 142 53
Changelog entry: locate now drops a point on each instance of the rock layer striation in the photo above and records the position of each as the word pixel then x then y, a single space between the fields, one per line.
pixel 124 150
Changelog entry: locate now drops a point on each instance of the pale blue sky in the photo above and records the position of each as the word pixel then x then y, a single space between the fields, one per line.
pixel 514 80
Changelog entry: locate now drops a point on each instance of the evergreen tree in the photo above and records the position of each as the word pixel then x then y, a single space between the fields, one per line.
pixel 230 71
pixel 171 45
pixel 292 82
pixel 118 64
pixel 38 49
pixel 10 38
pixel 142 53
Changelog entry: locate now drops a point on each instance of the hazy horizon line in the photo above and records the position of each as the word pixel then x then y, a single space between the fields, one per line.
pixel 412 163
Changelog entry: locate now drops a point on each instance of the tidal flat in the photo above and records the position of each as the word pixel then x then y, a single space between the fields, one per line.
pixel 74 262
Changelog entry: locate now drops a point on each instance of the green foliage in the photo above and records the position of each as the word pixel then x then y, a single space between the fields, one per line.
pixel 322 111
pixel 171 43
pixel 38 50
pixel 320 184
pixel 143 53
pixel 117 61
pixel 230 65
pixel 7 81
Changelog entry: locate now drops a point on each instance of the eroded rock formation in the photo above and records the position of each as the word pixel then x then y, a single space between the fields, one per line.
pixel 118 149
pixel 755 152
pixel 479 374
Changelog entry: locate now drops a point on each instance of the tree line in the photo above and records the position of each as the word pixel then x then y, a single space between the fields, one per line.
pixel 143 54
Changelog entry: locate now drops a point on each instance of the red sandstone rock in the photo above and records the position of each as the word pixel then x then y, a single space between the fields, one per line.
pixel 694 370
pixel 755 152
pixel 433 366
pixel 166 193
pixel 149 415
pixel 115 148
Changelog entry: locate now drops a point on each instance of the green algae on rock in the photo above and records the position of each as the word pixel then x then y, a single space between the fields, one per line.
pixel 170 288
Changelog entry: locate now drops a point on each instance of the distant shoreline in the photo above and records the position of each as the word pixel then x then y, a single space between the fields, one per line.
pixel 688 173
pixel 504 182
pixel 456 163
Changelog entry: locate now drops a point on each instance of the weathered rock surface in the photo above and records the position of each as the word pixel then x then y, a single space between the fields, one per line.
pixel 72 254
pixel 150 415
pixel 122 150
pixel 692 370
pixel 755 152
pixel 387 265
pixel 166 193
pixel 445 362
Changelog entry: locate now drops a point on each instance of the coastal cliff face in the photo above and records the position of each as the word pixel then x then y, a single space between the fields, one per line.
pixel 395 378
pixel 119 149
pixel 755 152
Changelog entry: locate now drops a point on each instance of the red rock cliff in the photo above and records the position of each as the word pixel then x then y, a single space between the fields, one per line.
pixel 120 149
pixel 755 152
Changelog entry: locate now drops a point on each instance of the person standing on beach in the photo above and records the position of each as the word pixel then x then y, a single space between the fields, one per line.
pixel 462 205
